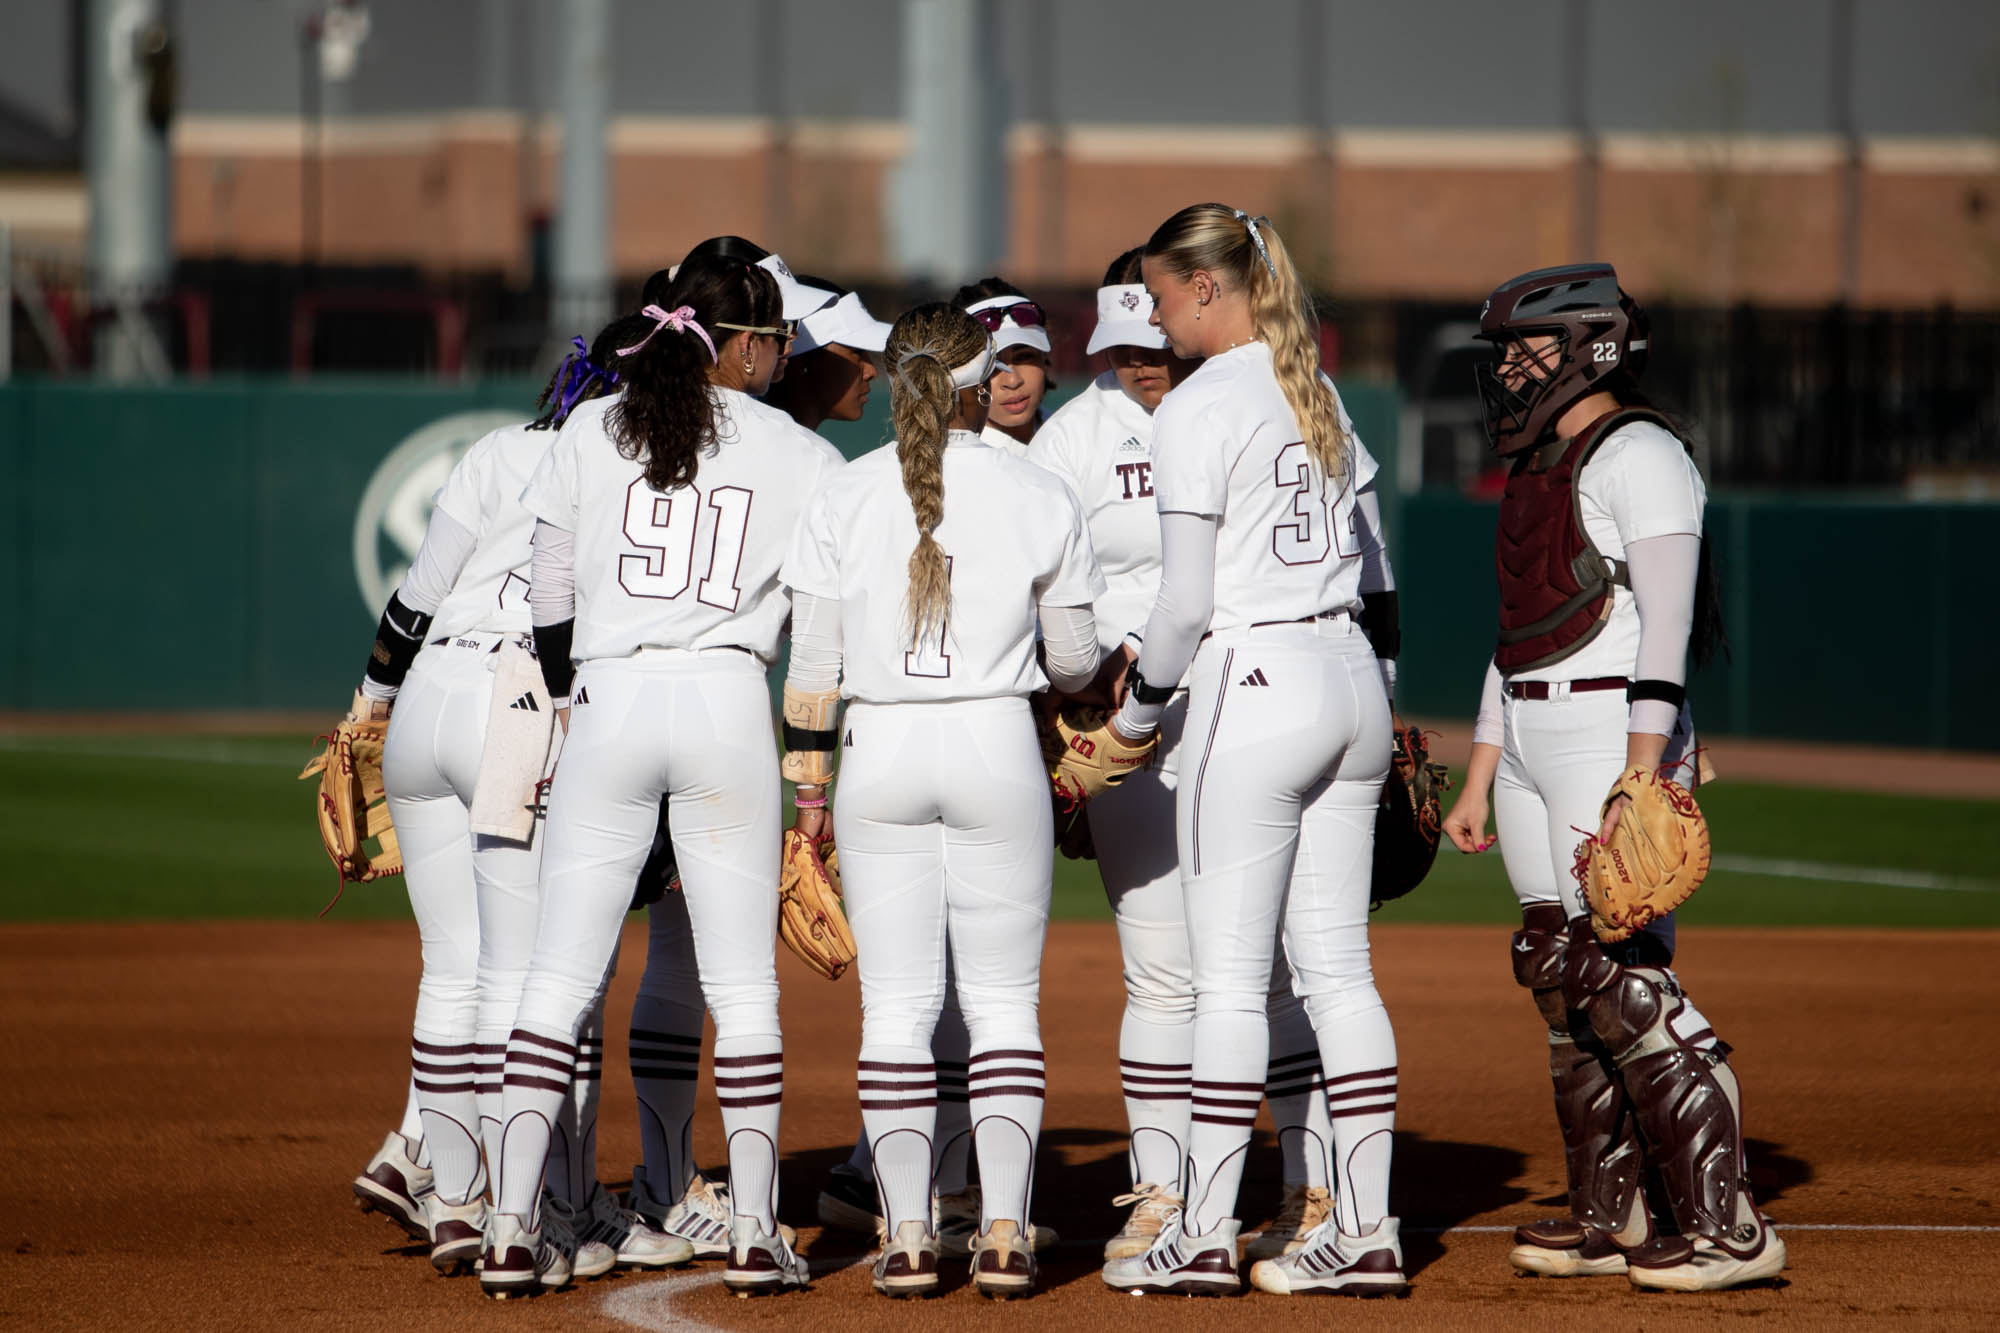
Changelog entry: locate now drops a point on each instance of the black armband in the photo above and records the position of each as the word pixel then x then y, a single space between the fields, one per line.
pixel 1137 686
pixel 397 640
pixel 552 651
pixel 1382 622
pixel 798 738
pixel 1663 690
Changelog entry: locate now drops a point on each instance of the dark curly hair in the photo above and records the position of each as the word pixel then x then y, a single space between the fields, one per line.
pixel 667 417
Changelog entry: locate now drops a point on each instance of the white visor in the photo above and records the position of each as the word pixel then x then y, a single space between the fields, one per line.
pixel 968 376
pixel 798 299
pixel 1010 334
pixel 846 322
pixel 1122 312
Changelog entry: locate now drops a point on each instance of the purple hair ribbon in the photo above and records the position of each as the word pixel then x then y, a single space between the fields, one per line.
pixel 578 374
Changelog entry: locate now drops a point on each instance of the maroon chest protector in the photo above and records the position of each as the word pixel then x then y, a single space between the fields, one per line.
pixel 1555 587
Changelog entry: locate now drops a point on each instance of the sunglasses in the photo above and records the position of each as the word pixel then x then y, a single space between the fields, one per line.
pixel 785 330
pixel 1024 313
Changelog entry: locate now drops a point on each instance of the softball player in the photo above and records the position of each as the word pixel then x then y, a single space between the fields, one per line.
pixel 1270 540
pixel 454 633
pixel 1020 362
pixel 662 519
pixel 919 578
pixel 666 1028
pixel 1100 443
pixel 1588 681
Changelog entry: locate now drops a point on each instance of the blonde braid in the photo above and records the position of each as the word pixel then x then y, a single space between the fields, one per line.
pixel 923 347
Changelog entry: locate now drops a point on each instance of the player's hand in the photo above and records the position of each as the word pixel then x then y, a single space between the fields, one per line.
pixel 1111 676
pixel 1466 824
pixel 1611 814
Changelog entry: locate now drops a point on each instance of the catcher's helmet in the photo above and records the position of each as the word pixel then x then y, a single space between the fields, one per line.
pixel 1599 333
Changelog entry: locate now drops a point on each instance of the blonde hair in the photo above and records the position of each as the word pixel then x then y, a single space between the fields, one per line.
pixel 923 347
pixel 1247 251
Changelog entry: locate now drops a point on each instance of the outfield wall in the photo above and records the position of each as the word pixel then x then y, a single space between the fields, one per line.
pixel 195 545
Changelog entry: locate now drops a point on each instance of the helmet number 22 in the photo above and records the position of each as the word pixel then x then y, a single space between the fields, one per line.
pixel 1604 353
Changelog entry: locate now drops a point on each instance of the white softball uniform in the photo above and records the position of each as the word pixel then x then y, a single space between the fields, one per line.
pixel 1286 747
pixel 678 606
pixel 942 811
pixel 475 898
pixel 1100 443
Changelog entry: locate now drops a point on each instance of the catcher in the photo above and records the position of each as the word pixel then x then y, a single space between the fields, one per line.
pixel 1605 587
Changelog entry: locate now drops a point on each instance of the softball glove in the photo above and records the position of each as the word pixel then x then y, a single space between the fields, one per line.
pixel 1092 757
pixel 1653 861
pixel 353 806
pixel 811 921
pixel 1411 817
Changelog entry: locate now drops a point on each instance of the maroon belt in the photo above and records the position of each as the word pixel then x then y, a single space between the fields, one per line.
pixel 1302 620
pixel 1539 689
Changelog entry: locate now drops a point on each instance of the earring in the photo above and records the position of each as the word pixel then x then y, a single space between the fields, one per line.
pixel 749 366
pixel 985 396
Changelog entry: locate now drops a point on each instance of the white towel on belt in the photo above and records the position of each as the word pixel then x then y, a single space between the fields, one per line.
pixel 518 754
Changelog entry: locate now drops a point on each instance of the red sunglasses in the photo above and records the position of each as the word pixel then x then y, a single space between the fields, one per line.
pixel 1024 313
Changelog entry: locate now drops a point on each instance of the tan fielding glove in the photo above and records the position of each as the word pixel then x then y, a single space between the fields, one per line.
pixel 1652 863
pixel 1093 757
pixel 353 806
pixel 811 921
pixel 1411 817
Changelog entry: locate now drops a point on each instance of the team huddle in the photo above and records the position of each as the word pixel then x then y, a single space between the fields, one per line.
pixel 1157 628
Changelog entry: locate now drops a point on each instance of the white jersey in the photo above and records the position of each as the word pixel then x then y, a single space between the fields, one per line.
pixel 1101 443
pixel 483 496
pixel 1639 483
pixel 1015 538
pixel 1005 443
pixel 696 567
pixel 1225 443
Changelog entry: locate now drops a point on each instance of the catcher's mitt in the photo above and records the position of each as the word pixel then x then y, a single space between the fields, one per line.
pixel 1653 861
pixel 1088 756
pixel 1410 820
pixel 353 807
pixel 810 919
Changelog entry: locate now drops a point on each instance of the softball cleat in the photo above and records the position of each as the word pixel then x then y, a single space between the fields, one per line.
pixel 1331 1262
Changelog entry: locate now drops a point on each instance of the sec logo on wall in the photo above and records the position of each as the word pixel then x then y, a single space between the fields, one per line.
pixel 396 505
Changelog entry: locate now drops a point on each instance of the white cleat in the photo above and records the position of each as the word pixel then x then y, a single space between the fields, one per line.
pixel 1750 1253
pixel 1303 1209
pixel 393 1185
pixel 1332 1262
pixel 701 1217
pixel 1186 1265
pixel 908 1264
pixel 519 1261
pixel 1151 1206
pixel 761 1264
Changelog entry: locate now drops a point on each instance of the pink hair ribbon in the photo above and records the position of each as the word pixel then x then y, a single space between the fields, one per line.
pixel 681 320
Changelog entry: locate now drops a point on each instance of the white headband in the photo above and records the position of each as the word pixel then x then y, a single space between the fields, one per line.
pixel 968 376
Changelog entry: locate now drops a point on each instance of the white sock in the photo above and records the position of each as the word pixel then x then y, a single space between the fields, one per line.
pixel 1156 1065
pixel 750 1084
pixel 444 1079
pixel 1230 1051
pixel 1361 1098
pixel 1008 1088
pixel 898 1086
pixel 412 1128
pixel 534 1088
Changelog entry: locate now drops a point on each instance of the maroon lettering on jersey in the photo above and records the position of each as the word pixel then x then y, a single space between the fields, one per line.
pixel 1138 479
pixel 1555 587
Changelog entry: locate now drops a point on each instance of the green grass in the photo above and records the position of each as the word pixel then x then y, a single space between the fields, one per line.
pixel 187 827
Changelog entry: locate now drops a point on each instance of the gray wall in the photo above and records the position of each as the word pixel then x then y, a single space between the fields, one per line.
pixel 1929 67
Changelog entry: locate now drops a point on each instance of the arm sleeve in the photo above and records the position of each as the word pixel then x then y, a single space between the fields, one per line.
pixel 816 643
pixel 446 547
pixel 1181 614
pixel 1069 646
pixel 1663 571
pixel 1491 728
pixel 1376 574
pixel 552 607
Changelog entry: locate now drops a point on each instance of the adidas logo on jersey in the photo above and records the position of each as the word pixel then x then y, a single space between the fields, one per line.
pixel 849 741
pixel 1132 445
pixel 1254 678
pixel 582 696
pixel 526 701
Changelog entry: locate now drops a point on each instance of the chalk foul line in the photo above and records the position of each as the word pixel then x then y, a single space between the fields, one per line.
pixel 650 1303
pixel 1782 868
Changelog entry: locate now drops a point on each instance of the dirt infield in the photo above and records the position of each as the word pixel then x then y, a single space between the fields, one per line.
pixel 186 1105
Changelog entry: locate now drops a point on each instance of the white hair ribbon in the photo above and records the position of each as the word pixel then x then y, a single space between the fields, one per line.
pixel 1262 249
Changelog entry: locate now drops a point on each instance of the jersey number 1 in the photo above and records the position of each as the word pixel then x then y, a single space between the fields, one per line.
pixel 663 526
pixel 929 657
